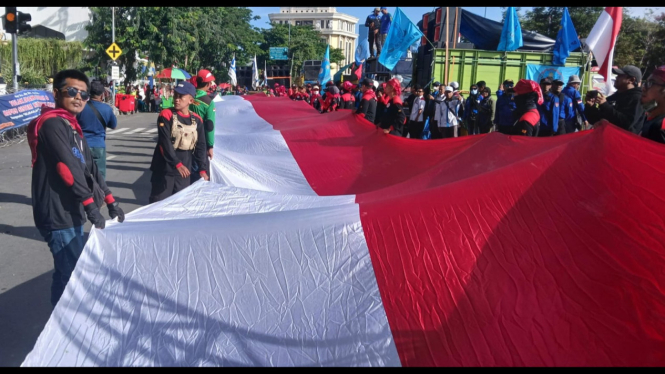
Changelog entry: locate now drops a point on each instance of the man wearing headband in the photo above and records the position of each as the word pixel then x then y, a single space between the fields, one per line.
pixel 393 120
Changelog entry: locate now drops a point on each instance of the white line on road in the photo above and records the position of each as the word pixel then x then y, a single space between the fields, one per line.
pixel 135 130
pixel 151 131
pixel 113 132
pixel 110 157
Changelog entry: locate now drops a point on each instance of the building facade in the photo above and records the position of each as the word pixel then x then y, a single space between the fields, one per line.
pixel 337 29
pixel 69 21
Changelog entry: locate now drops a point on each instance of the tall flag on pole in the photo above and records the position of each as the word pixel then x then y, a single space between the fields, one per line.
pixel 324 73
pixel 601 42
pixel 265 73
pixel 511 35
pixel 566 41
pixel 401 35
pixel 232 72
pixel 255 74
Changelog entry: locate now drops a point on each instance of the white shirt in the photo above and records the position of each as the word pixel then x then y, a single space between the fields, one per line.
pixel 418 106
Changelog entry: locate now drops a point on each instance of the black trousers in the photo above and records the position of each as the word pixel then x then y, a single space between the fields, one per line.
pixel 372 39
pixel 545 132
pixel 449 132
pixel 414 129
pixel 508 130
pixel 434 130
pixel 164 186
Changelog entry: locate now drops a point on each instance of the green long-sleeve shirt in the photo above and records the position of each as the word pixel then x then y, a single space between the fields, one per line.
pixel 205 108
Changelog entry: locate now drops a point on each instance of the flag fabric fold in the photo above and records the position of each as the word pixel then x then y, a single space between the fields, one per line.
pixel 566 40
pixel 362 51
pixel 265 73
pixel 511 34
pixel 232 72
pixel 401 35
pixel 601 41
pixel 324 73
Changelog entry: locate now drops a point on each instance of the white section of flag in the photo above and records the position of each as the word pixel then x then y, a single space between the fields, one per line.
pixel 601 41
pixel 254 271
pixel 232 71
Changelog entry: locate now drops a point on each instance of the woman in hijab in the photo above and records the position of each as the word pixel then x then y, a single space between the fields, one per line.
pixel 527 119
pixel 393 120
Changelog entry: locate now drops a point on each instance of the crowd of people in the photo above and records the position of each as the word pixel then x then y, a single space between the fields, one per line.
pixel 550 107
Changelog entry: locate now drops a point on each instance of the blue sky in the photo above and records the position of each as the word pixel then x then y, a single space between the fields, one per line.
pixel 414 13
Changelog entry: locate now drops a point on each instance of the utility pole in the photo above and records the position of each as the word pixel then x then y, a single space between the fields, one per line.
pixel 113 40
pixel 16 67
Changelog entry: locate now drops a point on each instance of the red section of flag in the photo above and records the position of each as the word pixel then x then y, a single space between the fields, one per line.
pixel 496 250
pixel 359 71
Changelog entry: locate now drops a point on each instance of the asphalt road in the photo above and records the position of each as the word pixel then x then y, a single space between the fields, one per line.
pixel 26 265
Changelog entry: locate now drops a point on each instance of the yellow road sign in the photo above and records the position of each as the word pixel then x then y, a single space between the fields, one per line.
pixel 114 51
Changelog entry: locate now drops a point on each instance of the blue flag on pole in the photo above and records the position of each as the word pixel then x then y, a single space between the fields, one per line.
pixel 324 73
pixel 401 35
pixel 362 51
pixel 566 40
pixel 511 35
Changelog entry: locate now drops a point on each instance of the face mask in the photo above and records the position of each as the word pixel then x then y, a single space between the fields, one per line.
pixel 474 92
pixel 651 105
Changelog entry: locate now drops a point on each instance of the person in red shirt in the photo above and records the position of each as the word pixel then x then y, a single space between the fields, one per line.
pixel 347 101
pixel 527 96
pixel 393 120
pixel 315 100
pixel 332 100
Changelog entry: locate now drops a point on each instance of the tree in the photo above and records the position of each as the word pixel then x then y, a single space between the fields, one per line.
pixel 547 20
pixel 306 44
pixel 187 37
pixel 639 42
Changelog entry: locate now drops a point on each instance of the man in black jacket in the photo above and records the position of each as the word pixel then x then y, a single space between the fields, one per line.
pixel 623 108
pixel 367 107
pixel 653 101
pixel 67 186
pixel 373 23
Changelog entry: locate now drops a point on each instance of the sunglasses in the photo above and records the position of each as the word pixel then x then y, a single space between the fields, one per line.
pixel 650 83
pixel 72 92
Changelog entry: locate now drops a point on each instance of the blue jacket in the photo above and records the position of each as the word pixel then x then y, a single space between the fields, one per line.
pixel 372 18
pixel 467 106
pixel 567 109
pixel 386 20
pixel 359 96
pixel 505 105
pixel 93 130
pixel 578 103
pixel 550 112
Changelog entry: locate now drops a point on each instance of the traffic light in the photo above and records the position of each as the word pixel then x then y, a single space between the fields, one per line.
pixel 10 20
pixel 23 19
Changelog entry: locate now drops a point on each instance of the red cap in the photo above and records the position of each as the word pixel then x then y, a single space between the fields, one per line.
pixel 394 83
pixel 348 86
pixel 659 72
pixel 525 86
pixel 205 75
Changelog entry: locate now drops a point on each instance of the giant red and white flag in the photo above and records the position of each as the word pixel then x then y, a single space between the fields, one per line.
pixel 320 241
pixel 601 41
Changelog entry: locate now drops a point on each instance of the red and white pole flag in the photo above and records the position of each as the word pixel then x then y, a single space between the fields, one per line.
pixel 601 41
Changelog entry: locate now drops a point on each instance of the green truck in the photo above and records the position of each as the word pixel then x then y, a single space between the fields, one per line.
pixel 468 66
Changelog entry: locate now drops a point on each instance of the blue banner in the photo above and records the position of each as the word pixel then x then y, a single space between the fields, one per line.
pixel 402 34
pixel 20 108
pixel 511 35
pixel 538 72
pixel 566 40
pixel 362 51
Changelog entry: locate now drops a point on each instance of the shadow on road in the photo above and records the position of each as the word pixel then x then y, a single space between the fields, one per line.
pixel 24 311
pixel 14 198
pixel 28 232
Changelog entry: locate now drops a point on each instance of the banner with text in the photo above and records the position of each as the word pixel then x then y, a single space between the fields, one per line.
pixel 19 108
pixel 538 72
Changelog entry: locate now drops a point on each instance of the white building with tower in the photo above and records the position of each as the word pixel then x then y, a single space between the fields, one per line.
pixel 337 29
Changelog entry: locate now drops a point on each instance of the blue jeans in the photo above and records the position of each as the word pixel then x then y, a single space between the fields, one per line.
pixel 66 246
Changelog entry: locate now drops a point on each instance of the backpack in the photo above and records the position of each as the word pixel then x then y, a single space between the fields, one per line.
pixel 184 137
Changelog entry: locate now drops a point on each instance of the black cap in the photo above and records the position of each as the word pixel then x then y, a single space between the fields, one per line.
pixel 545 81
pixel 436 84
pixel 557 81
pixel 631 71
pixel 368 82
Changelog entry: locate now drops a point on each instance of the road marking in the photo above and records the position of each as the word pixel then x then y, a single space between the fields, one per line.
pixel 117 131
pixel 151 131
pixel 110 157
pixel 135 130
